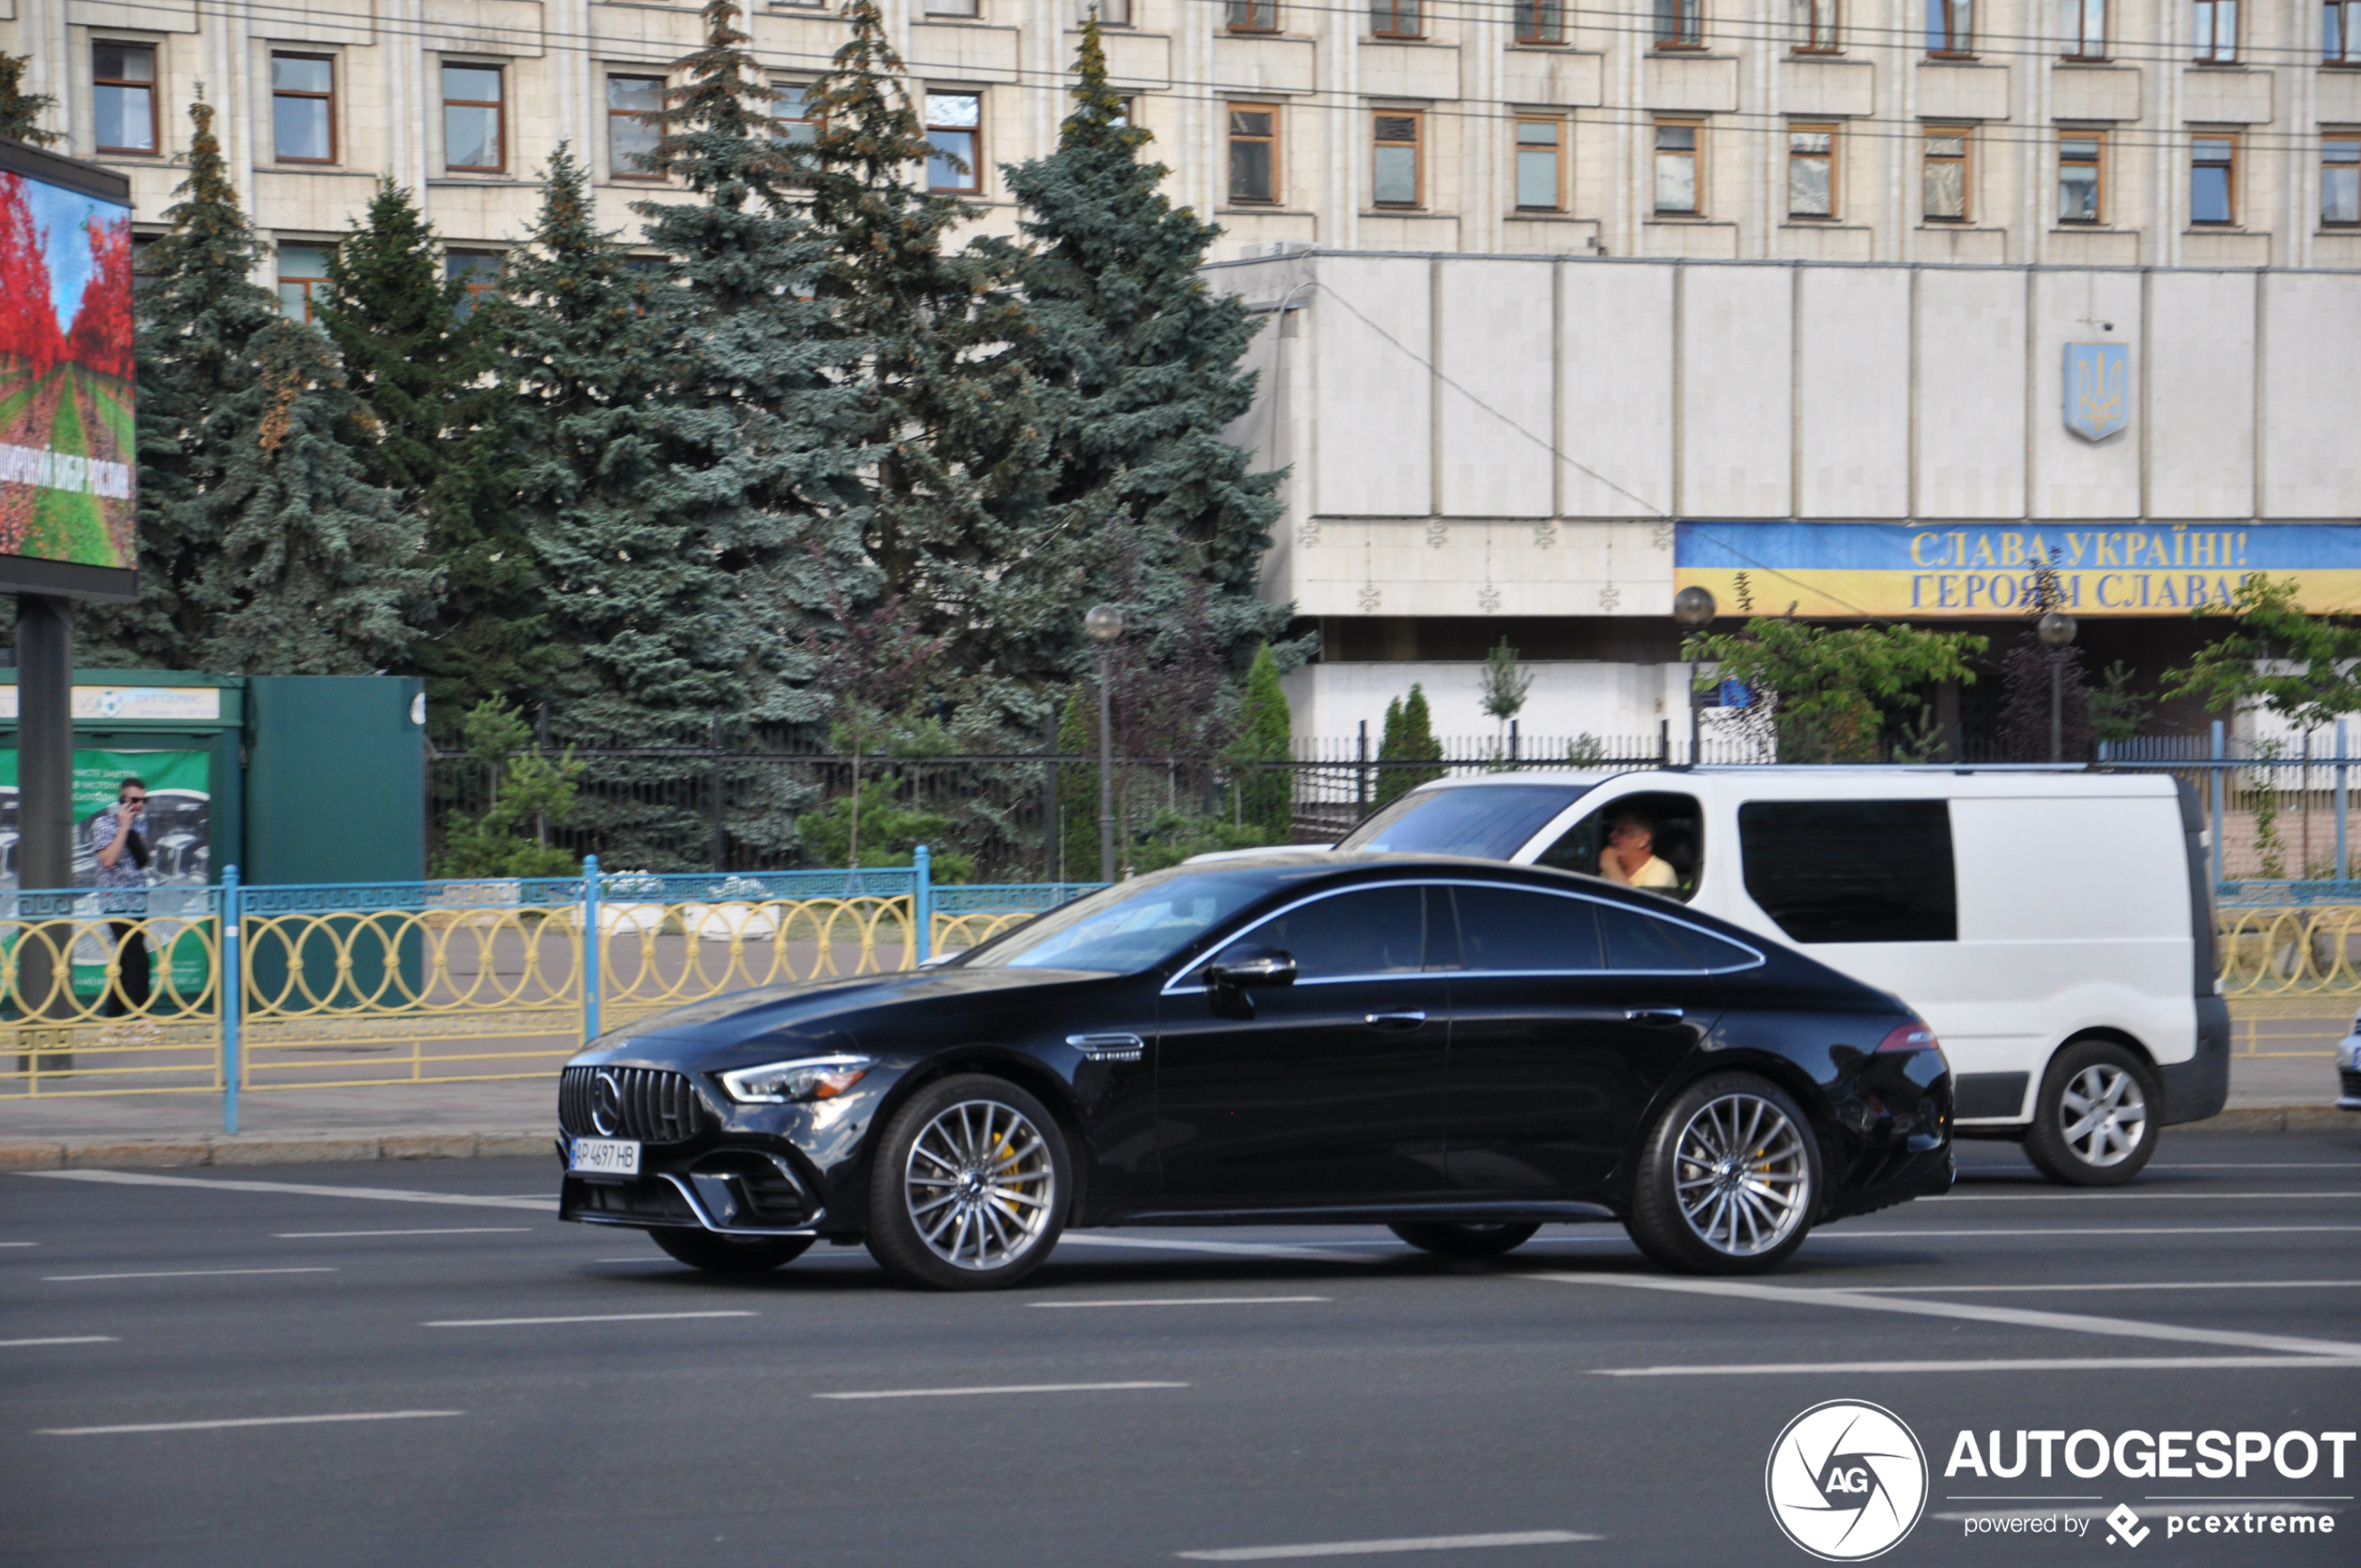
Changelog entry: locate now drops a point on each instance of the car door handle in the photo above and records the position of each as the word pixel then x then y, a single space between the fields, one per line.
pixel 1396 1021
pixel 1655 1015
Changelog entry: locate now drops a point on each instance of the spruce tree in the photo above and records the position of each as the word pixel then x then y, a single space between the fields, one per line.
pixel 1138 362
pixel 20 111
pixel 263 546
pixel 1265 744
pixel 433 425
pixel 953 514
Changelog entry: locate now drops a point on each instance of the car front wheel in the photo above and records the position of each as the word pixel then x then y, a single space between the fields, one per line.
pixel 1729 1180
pixel 2094 1124
pixel 968 1188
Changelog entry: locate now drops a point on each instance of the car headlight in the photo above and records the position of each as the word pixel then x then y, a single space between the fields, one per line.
pixel 809 1077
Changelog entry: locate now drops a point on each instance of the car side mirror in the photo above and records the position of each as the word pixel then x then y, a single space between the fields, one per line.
pixel 1254 966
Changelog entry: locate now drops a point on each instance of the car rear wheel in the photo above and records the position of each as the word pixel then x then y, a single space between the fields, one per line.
pixel 1729 1180
pixel 2094 1126
pixel 1453 1239
pixel 968 1188
pixel 729 1254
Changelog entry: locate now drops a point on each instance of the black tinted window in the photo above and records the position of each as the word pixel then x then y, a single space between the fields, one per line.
pixel 1375 930
pixel 1490 821
pixel 1851 870
pixel 1505 929
pixel 1634 941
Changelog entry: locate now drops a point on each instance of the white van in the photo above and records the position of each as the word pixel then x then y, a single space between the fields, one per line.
pixel 2055 926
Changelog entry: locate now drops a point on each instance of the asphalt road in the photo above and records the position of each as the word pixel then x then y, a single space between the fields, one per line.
pixel 538 1393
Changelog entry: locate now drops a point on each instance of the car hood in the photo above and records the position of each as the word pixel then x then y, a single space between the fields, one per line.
pixel 861 1012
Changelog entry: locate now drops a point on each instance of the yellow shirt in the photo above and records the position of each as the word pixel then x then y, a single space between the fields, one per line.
pixel 1655 873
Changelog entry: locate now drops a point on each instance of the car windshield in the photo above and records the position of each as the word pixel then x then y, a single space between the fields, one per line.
pixel 1130 927
pixel 1491 822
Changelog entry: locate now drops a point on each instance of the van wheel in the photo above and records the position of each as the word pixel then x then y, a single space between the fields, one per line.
pixel 968 1186
pixel 1453 1239
pixel 2094 1123
pixel 729 1254
pixel 1729 1180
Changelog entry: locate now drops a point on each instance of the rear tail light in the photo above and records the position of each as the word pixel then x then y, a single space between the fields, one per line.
pixel 1911 1036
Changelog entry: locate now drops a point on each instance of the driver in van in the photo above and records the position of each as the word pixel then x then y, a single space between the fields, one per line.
pixel 1630 858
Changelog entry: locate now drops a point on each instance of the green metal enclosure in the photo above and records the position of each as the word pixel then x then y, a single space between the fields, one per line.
pixel 336 779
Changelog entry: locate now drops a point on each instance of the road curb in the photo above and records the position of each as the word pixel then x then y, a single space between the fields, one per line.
pixel 132 1154
pixel 2277 1118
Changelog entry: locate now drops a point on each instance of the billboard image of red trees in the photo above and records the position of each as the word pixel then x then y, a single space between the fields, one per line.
pixel 67 450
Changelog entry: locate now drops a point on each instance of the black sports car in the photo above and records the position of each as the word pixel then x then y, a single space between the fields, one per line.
pixel 1460 1049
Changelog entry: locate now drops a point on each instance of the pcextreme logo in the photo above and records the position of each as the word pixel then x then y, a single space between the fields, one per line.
pixel 1846 1480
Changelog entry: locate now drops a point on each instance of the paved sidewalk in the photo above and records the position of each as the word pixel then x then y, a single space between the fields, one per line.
pixel 461 1120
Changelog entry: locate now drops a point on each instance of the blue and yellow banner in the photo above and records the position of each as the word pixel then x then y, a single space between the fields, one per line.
pixel 1887 571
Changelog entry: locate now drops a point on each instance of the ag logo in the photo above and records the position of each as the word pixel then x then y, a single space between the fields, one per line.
pixel 1847 1480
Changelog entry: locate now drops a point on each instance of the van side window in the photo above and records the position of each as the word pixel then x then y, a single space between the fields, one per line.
pixel 1673 830
pixel 1851 870
pixel 1508 931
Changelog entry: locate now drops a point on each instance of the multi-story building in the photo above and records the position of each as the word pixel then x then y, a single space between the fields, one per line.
pixel 2054 139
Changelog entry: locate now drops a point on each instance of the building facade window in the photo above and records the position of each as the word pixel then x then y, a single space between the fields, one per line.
pixel 2082 157
pixel 477 271
pixel 2217 32
pixel 1812 26
pixel 1254 154
pixel 1944 183
pixel 1111 13
pixel 1951 27
pixel 1394 166
pixel 122 91
pixel 954 9
pixel 2086 29
pixel 2213 179
pixel 1540 164
pixel 1252 16
pixel 1680 24
pixel 1544 21
pixel 474 137
pixel 791 106
pixel 1812 171
pixel 303 109
pixel 1678 187
pixel 631 137
pixel 2340 181
pixel 303 280
pixel 2338 20
pixel 955 129
pixel 1397 19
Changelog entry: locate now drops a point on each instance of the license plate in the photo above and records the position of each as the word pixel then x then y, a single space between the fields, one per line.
pixel 605 1157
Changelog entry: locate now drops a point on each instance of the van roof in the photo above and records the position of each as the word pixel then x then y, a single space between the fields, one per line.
pixel 1992 779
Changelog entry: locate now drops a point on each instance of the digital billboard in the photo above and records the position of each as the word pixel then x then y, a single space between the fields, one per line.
pixel 69 465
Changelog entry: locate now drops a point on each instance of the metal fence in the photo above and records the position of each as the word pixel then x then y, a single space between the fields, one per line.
pixel 252 988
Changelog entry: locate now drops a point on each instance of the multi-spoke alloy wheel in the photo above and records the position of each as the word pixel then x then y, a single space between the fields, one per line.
pixel 1741 1174
pixel 2091 1125
pixel 978 1184
pixel 1729 1179
pixel 968 1186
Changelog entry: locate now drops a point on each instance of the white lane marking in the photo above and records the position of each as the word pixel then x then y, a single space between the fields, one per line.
pixel 306 1189
pixel 20 1244
pixel 2262 1164
pixel 1958 1197
pixel 2137 1284
pixel 2043 1363
pixel 1189 1301
pixel 456 1230
pixel 248 1422
pixel 64 1340
pixel 593 1317
pixel 1403 1543
pixel 2090 1230
pixel 2020 1317
pixel 999 1389
pixel 1234 1249
pixel 180 1274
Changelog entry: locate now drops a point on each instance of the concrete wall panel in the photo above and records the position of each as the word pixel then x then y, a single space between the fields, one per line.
pixel 1374 388
pixel 2200 381
pixel 1617 370
pixel 1737 335
pixel 1853 369
pixel 2073 478
pixel 1497 345
pixel 1971 331
pixel 2311 467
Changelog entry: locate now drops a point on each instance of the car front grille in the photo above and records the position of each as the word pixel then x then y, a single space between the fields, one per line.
pixel 2351 1082
pixel 646 1103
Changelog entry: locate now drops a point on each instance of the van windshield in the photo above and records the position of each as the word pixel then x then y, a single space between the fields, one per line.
pixel 1490 821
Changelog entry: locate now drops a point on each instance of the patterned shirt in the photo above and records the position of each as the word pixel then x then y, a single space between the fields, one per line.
pixel 125 872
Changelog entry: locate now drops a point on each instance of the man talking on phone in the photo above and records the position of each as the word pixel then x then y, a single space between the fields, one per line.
pixel 121 838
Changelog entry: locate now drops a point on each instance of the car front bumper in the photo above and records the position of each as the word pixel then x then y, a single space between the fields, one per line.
pixel 2349 1073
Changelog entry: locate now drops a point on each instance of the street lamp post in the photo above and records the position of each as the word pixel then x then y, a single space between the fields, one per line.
pixel 1695 608
pixel 2056 630
pixel 1103 626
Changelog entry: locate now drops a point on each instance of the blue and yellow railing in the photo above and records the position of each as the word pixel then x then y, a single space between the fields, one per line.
pixel 262 988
